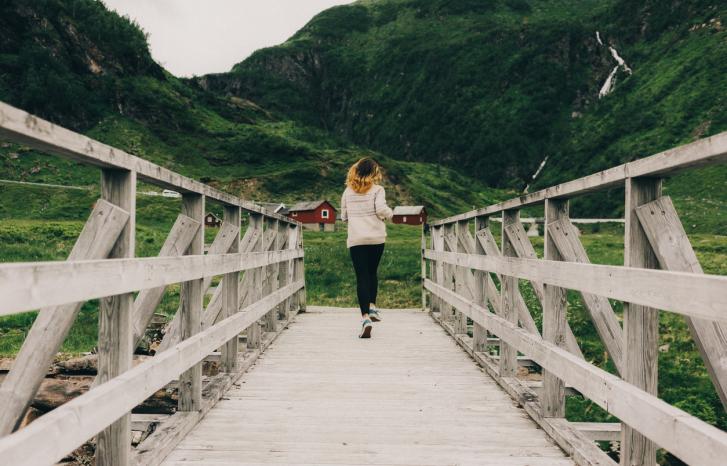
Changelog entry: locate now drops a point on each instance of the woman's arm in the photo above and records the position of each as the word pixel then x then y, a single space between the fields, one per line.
pixel 382 210
pixel 344 209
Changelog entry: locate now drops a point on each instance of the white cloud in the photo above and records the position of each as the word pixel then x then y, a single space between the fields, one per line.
pixel 194 37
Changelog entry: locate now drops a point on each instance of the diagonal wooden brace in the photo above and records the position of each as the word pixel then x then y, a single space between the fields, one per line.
pixel 670 243
pixel 50 328
pixel 565 237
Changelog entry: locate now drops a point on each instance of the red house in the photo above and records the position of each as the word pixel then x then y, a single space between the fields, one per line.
pixel 410 214
pixel 314 215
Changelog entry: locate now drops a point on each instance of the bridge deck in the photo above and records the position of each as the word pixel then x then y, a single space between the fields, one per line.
pixel 409 396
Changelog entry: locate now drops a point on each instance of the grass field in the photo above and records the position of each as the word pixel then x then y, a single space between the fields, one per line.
pixel 683 379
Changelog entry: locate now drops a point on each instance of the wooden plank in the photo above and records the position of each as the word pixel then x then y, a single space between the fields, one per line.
pixel 437 266
pixel 176 243
pixel 254 332
pixel 640 323
pixel 74 281
pixel 52 324
pixel 707 151
pixel 509 291
pixel 115 315
pixel 523 248
pixel 231 301
pixel 564 236
pixel 667 426
pixel 190 308
pixel 697 295
pixel 51 437
pixel 30 130
pixel 423 263
pixel 220 245
pixel 479 333
pixel 555 306
pixel 669 241
pixel 450 244
pixel 464 281
pixel 270 274
pixel 599 431
pixel 288 411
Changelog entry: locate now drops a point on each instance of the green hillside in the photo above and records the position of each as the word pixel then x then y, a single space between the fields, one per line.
pixel 77 64
pixel 492 87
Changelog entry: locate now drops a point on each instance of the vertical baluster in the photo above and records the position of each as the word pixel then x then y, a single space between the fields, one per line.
pixel 190 297
pixel 115 332
pixel 640 323
pixel 231 292
pixel 479 333
pixel 462 275
pixel 270 321
pixel 438 269
pixel 555 302
pixel 508 354
pixel 424 265
pixel 254 331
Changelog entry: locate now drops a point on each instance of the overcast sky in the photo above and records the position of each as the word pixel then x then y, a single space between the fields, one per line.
pixel 194 37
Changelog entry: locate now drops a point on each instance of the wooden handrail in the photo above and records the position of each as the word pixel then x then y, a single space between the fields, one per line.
pixel 102 265
pixel 706 151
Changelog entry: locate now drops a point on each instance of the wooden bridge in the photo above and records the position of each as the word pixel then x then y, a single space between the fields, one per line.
pixel 437 385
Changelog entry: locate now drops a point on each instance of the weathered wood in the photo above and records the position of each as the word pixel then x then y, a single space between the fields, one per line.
pixel 230 287
pixel 555 305
pixel 640 323
pixel 705 151
pixel 190 308
pixel 509 291
pixel 423 264
pixel 220 245
pixel 59 432
pixel 177 242
pixel 270 274
pixel 52 324
pixel 696 295
pixel 523 248
pixel 669 241
pixel 115 317
pixel 664 424
pixel 69 282
pixel 564 235
pixel 479 333
pixel 599 431
pixel 255 284
pixel 437 266
pixel 24 128
pixel 450 245
pixel 464 281
pixel 278 408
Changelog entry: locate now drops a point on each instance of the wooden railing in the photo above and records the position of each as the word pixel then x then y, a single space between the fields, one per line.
pixel 262 284
pixel 458 263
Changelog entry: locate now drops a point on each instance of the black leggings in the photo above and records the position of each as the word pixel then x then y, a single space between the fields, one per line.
pixel 366 260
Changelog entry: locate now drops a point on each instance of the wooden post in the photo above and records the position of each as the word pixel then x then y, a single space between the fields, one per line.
pixel 254 332
pixel 479 333
pixel 190 298
pixel 230 292
pixel 641 323
pixel 424 265
pixel 509 286
pixel 448 312
pixel 462 276
pixel 437 268
pixel 270 321
pixel 555 323
pixel 115 333
pixel 281 270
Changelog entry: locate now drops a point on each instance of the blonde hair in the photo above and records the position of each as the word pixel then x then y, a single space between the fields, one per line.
pixel 363 174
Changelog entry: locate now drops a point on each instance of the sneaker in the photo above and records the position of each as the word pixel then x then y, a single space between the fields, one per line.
pixel 366 327
pixel 375 315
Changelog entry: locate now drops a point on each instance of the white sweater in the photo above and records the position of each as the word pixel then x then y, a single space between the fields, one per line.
pixel 365 214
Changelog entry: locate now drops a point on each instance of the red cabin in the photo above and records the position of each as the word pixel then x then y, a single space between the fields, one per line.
pixel 410 215
pixel 314 215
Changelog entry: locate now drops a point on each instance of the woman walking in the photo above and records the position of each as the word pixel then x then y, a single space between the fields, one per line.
pixel 363 207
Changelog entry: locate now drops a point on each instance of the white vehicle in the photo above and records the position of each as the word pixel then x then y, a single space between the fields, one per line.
pixel 170 193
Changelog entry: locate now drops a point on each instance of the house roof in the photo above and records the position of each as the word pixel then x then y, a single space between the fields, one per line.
pixel 408 209
pixel 213 215
pixel 308 205
pixel 275 207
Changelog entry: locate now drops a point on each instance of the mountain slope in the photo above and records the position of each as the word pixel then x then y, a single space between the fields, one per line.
pixel 81 66
pixel 492 87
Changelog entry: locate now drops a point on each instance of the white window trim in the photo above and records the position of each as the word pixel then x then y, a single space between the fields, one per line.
pixel 404 219
pixel 325 214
